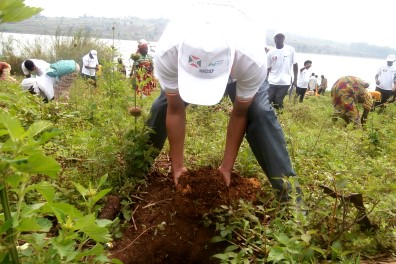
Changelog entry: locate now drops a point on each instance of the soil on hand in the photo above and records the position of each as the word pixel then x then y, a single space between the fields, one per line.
pixel 167 224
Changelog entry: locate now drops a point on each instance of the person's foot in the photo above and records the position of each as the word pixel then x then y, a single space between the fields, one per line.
pixel 178 173
pixel 226 176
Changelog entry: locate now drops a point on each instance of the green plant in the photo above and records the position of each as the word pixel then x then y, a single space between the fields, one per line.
pixel 30 223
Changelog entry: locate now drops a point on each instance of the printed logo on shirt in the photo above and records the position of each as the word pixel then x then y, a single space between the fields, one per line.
pixel 274 58
pixel 194 61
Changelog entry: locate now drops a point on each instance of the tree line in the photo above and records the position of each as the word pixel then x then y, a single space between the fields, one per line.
pixel 134 28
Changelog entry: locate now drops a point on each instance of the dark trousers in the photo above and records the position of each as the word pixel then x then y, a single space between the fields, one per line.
pixel 300 92
pixel 264 135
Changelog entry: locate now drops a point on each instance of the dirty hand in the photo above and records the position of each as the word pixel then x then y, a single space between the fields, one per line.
pixel 226 175
pixel 177 173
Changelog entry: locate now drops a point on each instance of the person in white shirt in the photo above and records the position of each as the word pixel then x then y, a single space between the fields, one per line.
pixel 303 80
pixel 41 85
pixel 280 61
pixel 313 81
pixel 34 67
pixel 385 80
pixel 90 66
pixel 197 62
pixel 59 77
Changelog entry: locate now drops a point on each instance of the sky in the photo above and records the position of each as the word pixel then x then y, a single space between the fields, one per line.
pixel 338 20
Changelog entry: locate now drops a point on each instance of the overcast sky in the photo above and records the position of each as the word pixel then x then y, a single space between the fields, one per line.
pixel 339 20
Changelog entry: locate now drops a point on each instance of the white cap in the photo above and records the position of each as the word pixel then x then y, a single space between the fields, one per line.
pixel 142 41
pixel 391 58
pixel 204 65
pixel 94 53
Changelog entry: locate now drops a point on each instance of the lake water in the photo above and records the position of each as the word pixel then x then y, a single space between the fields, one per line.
pixel 332 67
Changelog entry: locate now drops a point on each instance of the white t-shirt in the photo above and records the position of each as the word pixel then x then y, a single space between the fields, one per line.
pixel 303 79
pixel 386 77
pixel 42 68
pixel 89 62
pixel 312 82
pixel 281 63
pixel 46 86
pixel 249 67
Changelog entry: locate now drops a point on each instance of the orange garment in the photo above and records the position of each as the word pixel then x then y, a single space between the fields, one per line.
pixel 375 95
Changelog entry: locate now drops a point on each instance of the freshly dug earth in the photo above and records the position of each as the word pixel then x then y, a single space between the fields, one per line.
pixel 167 224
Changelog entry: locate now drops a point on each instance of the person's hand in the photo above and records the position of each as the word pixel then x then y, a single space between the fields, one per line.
pixel 226 176
pixel 377 82
pixel 177 173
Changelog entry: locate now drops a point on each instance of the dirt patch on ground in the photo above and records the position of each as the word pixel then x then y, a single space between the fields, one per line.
pixel 167 224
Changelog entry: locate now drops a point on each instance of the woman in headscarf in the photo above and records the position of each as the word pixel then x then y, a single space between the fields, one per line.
pixel 346 93
pixel 142 72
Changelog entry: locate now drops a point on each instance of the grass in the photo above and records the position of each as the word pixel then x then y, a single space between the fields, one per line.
pixel 94 123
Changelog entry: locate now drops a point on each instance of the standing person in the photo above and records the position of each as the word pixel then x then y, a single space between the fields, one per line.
pixel 90 66
pixel 385 80
pixel 313 81
pixel 142 72
pixel 280 61
pixel 196 61
pixel 302 81
pixel 5 72
pixel 34 67
pixel 346 93
pixel 323 85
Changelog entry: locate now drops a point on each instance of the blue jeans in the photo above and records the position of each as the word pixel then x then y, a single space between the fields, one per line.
pixel 276 94
pixel 264 135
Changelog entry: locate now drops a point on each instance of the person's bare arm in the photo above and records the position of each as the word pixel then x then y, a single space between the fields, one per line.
pixel 235 132
pixel 295 72
pixel 176 128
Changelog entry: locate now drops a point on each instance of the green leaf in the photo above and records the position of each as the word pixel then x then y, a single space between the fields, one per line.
pixel 29 210
pixel 306 238
pixel 276 254
pixel 81 189
pixel 231 248
pixel 220 256
pixel 321 251
pixel 103 222
pixel 15 10
pixel 100 195
pixel 87 224
pixel 94 251
pixel 217 239
pixel 102 180
pixel 34 225
pixel 39 164
pixel 45 189
pixel 282 238
pixel 61 210
pixel 336 249
pixel 38 127
pixel 4 227
pixel 13 126
pixel 66 250
pixel 35 239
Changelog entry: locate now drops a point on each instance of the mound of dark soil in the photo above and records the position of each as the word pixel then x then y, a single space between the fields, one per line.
pixel 167 224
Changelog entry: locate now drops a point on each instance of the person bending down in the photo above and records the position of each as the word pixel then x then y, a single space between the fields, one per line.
pixel 346 93
pixel 197 63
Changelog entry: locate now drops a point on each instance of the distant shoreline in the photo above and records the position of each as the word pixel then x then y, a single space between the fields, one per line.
pixel 134 28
